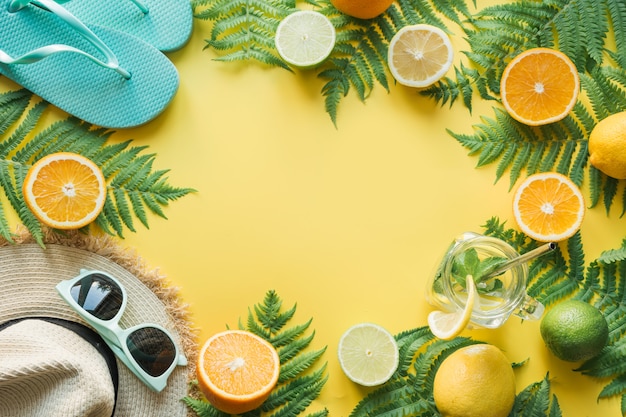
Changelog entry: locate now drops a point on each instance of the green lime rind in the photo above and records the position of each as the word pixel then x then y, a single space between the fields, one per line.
pixel 574 331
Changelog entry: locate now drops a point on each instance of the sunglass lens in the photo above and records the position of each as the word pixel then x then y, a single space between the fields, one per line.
pixel 98 295
pixel 153 350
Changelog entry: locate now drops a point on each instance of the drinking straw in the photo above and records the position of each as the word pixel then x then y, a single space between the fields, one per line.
pixel 528 256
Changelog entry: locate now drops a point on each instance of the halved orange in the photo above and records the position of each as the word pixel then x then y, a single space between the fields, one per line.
pixel 548 207
pixel 237 370
pixel 65 190
pixel 539 86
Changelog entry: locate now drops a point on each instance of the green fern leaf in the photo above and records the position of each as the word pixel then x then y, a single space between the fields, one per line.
pixel 535 401
pixel 18 151
pixel 602 284
pixel 202 408
pixel 293 399
pixel 410 393
pixel 581 30
pixel 614 255
pixel 244 30
pixel 298 384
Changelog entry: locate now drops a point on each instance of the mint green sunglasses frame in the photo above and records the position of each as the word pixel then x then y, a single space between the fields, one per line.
pixel 115 336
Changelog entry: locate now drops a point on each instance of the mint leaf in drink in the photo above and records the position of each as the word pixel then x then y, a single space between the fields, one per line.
pixel 469 263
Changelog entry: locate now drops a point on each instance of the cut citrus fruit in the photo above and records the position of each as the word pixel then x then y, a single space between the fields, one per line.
pixel 419 55
pixel 305 38
pixel 65 190
pixel 539 86
pixel 368 354
pixel 362 9
pixel 237 370
pixel 449 325
pixel 548 207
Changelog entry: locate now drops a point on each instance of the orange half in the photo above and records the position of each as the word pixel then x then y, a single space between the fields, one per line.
pixel 237 371
pixel 65 190
pixel 539 86
pixel 548 207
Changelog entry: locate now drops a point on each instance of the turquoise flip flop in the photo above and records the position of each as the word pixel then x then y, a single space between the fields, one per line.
pixel 165 24
pixel 102 76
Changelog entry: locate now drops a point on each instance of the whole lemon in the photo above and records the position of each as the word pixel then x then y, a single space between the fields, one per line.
pixel 574 330
pixel 607 145
pixel 475 381
pixel 362 9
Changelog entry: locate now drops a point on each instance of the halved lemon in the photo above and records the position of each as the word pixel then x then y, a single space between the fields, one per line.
pixel 65 190
pixel 419 55
pixel 446 325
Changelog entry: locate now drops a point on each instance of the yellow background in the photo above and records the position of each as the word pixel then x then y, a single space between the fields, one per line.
pixel 345 221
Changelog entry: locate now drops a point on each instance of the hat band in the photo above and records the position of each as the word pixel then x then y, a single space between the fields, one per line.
pixel 88 335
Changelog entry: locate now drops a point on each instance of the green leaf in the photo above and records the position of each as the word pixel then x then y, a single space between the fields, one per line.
pixel 601 283
pixel 134 188
pixel 299 383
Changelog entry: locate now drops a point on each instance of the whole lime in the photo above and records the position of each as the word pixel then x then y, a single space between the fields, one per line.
pixel 475 381
pixel 574 331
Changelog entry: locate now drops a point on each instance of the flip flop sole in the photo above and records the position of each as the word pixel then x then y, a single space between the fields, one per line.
pixel 77 85
pixel 167 26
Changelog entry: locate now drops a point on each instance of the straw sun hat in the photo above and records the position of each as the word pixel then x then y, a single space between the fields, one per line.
pixel 50 362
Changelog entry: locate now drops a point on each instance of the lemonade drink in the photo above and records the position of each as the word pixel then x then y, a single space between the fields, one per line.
pixel 499 295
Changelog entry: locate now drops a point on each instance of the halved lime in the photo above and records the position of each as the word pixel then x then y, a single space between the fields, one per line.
pixel 368 354
pixel 305 38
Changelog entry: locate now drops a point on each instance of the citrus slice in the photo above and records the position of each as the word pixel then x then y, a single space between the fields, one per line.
pixel 237 370
pixel 368 354
pixel 305 38
pixel 539 86
pixel 419 55
pixel 65 190
pixel 548 207
pixel 449 325
pixel 362 9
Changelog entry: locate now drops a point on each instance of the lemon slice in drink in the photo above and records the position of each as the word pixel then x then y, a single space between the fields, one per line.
pixel 449 325
pixel 368 354
pixel 419 55
pixel 305 38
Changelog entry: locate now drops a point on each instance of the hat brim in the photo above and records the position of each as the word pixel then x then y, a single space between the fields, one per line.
pixel 29 274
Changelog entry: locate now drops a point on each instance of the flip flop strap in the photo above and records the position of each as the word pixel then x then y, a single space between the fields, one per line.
pixel 144 9
pixel 45 51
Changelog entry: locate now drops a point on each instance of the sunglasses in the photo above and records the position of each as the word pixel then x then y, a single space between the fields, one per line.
pixel 147 349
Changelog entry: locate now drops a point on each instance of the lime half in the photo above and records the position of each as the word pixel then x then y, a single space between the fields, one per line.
pixel 305 38
pixel 368 354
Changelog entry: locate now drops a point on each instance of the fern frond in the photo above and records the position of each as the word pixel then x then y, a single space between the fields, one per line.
pixel 202 408
pixel 299 384
pixel 297 396
pixel 614 255
pixel 561 146
pixel 602 284
pixel 411 394
pixel 516 147
pixel 408 343
pixel 359 60
pixel 244 30
pixel 299 364
pixel 134 188
pixel 535 400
